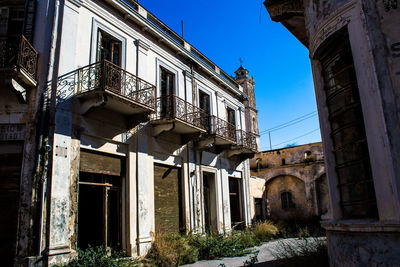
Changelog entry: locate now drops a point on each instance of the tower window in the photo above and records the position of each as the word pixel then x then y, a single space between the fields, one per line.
pixel 347 128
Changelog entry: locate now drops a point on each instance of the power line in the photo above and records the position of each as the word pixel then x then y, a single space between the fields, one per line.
pixel 287 125
pixel 291 122
pixel 296 137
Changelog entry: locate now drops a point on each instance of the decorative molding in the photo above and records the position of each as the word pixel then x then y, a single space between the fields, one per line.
pixel 335 22
pixel 279 10
pixel 142 45
pixel 77 3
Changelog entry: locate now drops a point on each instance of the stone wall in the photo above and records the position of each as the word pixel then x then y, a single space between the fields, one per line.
pixel 298 170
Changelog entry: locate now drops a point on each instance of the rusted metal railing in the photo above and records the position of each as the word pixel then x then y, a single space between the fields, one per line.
pixel 222 128
pixel 247 140
pixel 17 52
pixel 102 76
pixel 173 107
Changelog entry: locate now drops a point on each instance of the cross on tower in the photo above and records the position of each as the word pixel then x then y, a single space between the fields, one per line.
pixel 241 61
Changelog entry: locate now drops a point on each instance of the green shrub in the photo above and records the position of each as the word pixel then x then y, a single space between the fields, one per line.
pixel 171 250
pixel 99 256
pixel 213 246
pixel 265 231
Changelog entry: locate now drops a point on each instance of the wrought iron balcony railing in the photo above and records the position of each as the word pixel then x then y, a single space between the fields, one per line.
pixel 222 129
pixel 103 76
pixel 17 52
pixel 247 140
pixel 172 107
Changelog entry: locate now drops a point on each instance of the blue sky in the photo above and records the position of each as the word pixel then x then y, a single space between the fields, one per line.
pixel 225 31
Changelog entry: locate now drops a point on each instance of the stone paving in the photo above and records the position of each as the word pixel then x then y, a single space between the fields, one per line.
pixel 264 256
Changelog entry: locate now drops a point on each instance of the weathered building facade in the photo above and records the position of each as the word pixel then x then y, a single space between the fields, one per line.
pixel 354 53
pixel 114 128
pixel 289 183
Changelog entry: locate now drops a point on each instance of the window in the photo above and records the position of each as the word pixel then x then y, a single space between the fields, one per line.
pixel 231 116
pixel 347 128
pixel 259 164
pixel 287 201
pixel 258 209
pixel 16 20
pixel 204 102
pixel 108 48
pixel 283 162
pixel 235 200
pixel 167 82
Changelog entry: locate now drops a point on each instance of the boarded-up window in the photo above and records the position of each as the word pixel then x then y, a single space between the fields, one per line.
pixel 168 199
pixel 100 163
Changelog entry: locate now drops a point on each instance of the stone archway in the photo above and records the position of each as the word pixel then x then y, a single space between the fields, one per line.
pixel 286 198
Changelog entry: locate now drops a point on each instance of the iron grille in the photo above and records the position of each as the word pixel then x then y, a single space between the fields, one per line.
pixel 173 107
pixel 17 52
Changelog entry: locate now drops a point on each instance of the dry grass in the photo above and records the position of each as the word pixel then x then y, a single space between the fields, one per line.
pixel 265 231
pixel 171 250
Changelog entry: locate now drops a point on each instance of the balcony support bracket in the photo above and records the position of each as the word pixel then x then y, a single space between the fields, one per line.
pixel 160 128
pixel 233 152
pixel 206 143
pixel 18 89
pixel 98 101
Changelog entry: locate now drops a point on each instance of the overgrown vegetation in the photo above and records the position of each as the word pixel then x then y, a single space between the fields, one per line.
pixel 265 231
pixel 172 250
pixel 311 252
pixel 99 256
pixel 176 249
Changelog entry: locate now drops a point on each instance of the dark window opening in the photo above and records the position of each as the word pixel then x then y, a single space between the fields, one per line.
pixel 258 209
pixel 348 131
pixel 109 48
pixel 283 162
pixel 16 21
pixel 210 202
pixel 167 82
pixel 287 200
pixel 204 102
pixel 231 116
pixel 167 88
pixel 235 200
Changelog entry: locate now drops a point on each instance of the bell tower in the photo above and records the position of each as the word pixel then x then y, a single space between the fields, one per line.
pixel 251 118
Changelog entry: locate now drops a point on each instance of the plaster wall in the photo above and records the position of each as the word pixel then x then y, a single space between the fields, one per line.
pixel 105 131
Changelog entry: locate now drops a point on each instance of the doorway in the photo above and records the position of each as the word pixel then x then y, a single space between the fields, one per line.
pixel 235 201
pixel 210 202
pixel 99 201
pixel 10 176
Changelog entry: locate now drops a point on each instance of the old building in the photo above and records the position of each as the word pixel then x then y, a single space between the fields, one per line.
pixel 113 127
pixel 354 50
pixel 288 183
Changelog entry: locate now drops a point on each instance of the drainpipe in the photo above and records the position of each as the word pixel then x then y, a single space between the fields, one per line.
pixel 220 170
pixel 137 58
pixel 53 74
pixel 191 210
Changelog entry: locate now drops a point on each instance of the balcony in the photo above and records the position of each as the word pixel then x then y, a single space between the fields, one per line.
pixel 221 135
pixel 246 145
pixel 176 115
pixel 104 84
pixel 18 63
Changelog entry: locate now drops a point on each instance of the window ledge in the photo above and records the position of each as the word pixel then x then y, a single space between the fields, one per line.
pixel 366 226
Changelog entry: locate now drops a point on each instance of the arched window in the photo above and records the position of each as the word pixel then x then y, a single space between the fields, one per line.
pixel 259 164
pixel 287 200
